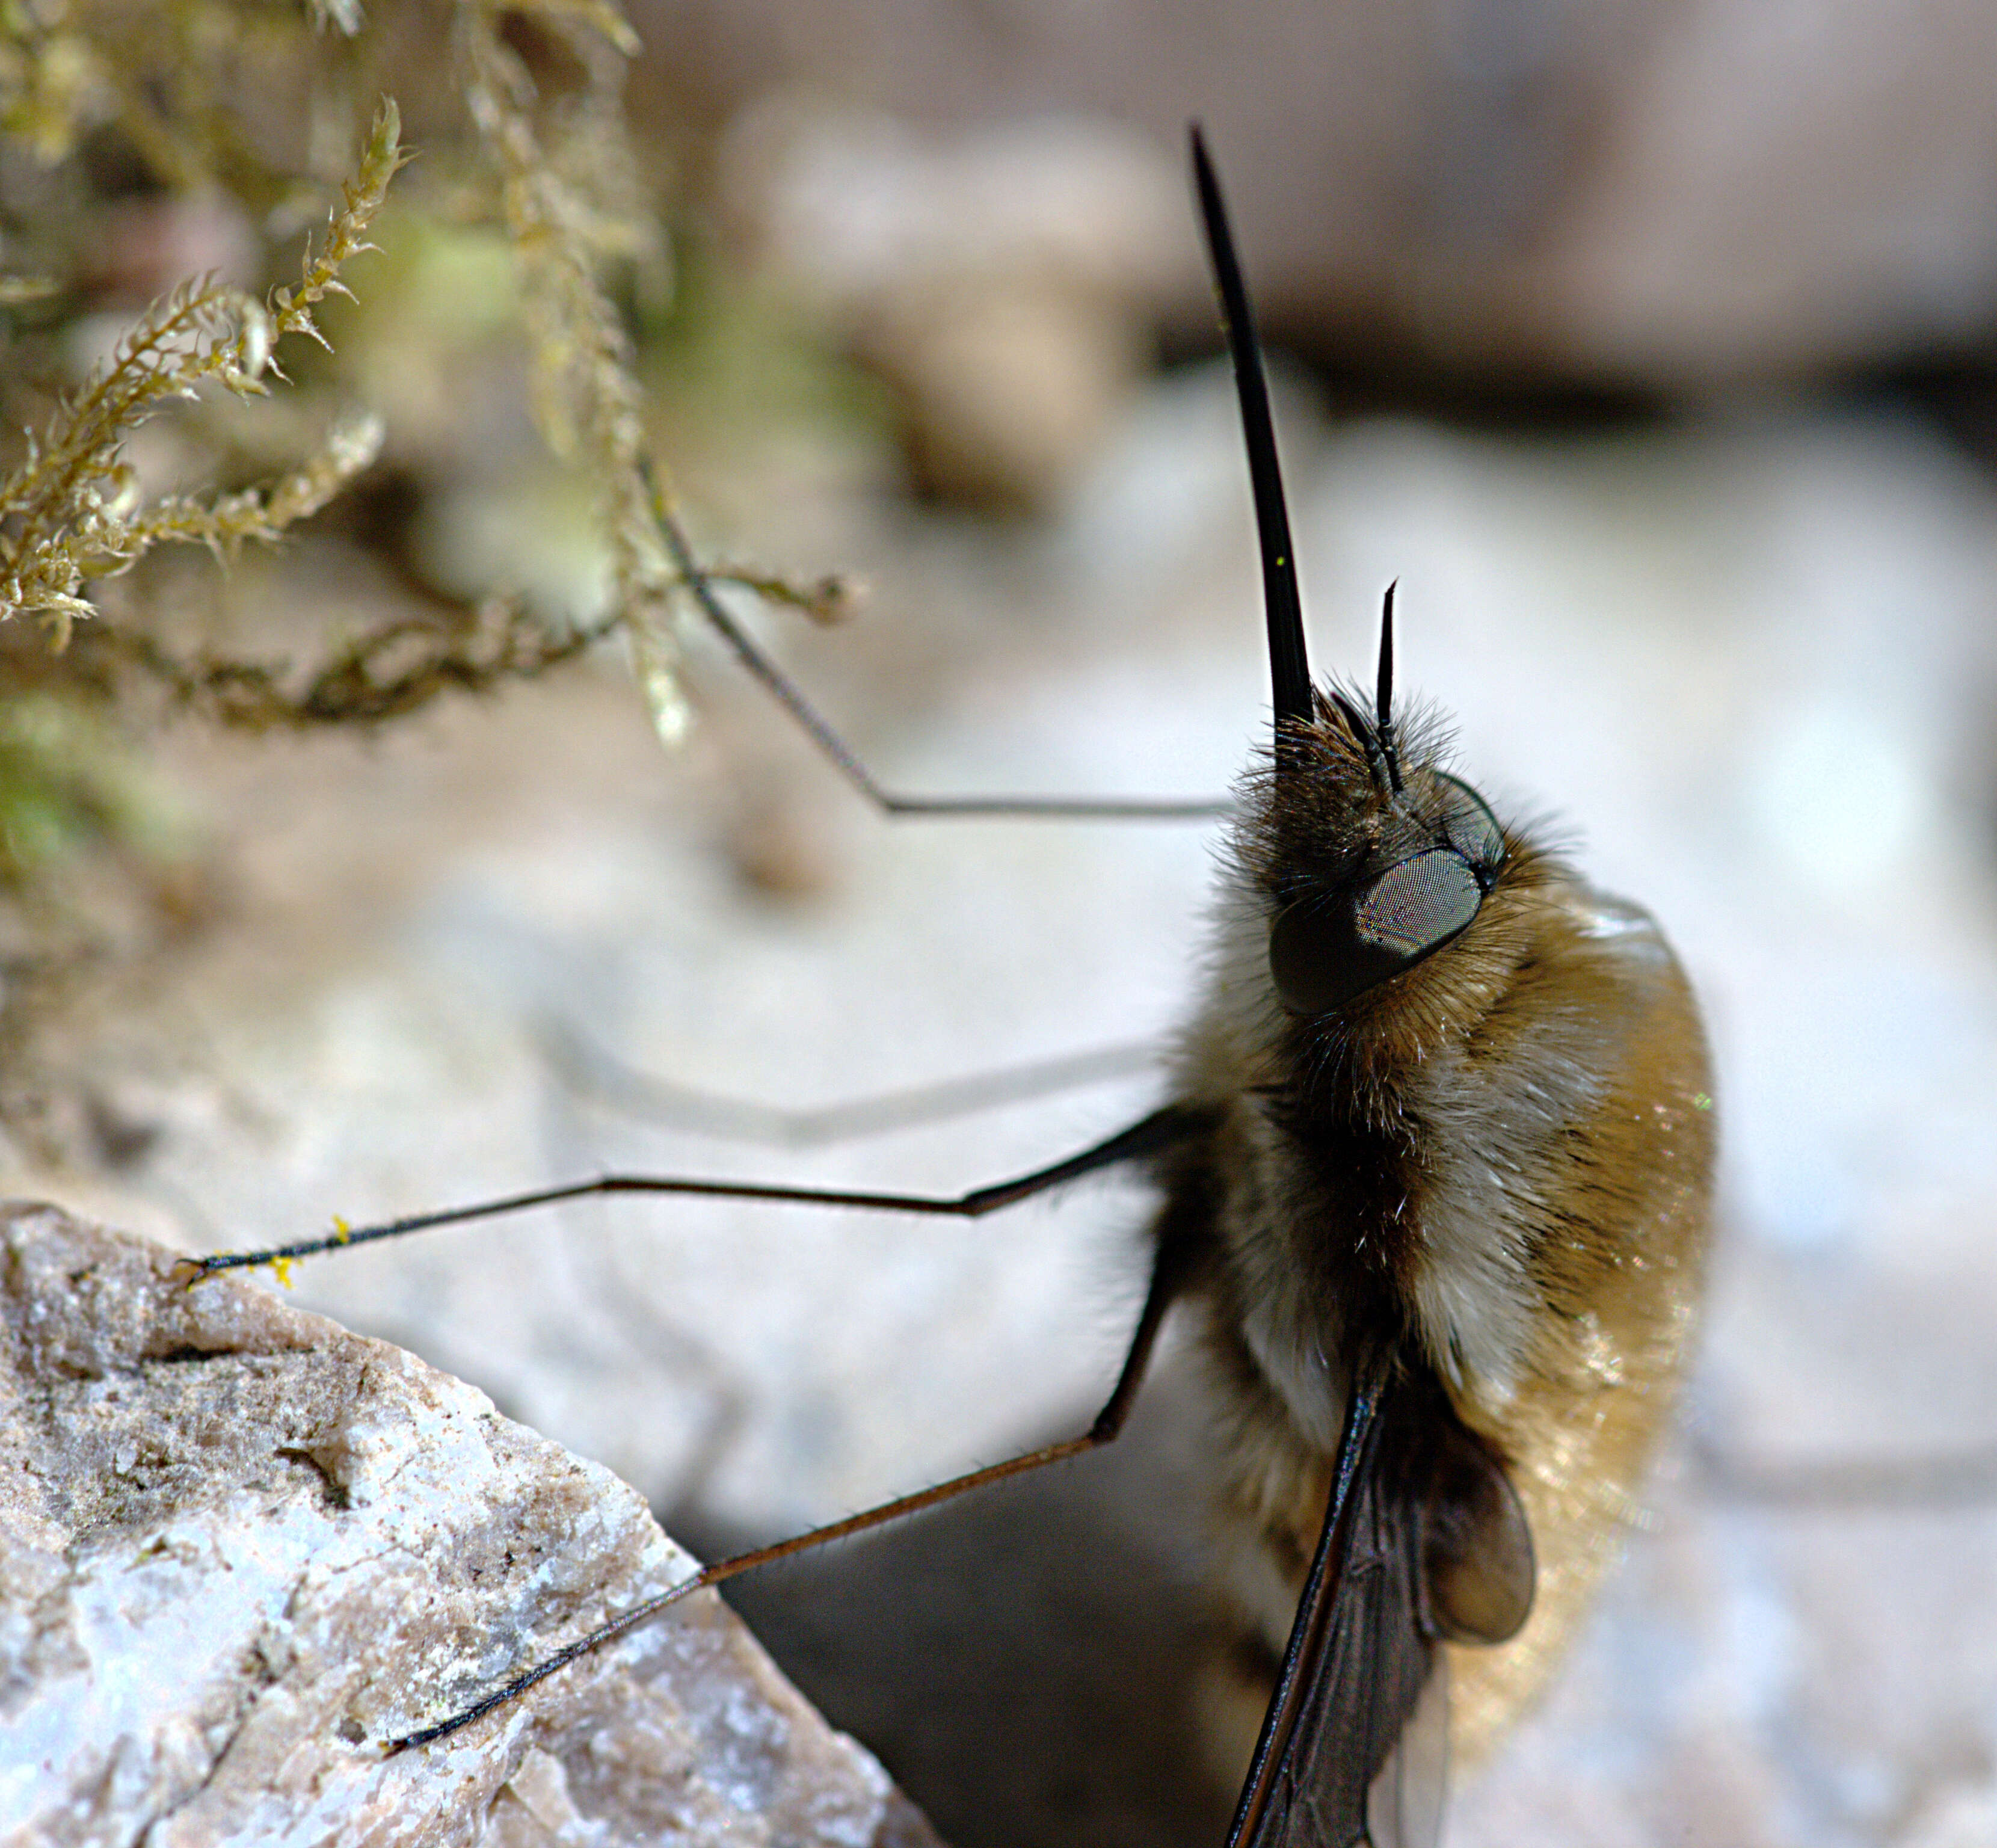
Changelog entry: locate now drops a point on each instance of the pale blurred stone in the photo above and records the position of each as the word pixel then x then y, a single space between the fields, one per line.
pixel 1667 195
pixel 1002 283
pixel 1006 390
pixel 1962 1815
pixel 240 1546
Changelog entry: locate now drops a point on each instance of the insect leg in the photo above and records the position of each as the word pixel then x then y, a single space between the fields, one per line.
pixel 1168 1274
pixel 1164 1128
pixel 790 696
pixel 604 1078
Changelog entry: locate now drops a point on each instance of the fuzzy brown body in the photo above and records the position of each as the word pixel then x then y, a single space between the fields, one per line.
pixel 1498 1164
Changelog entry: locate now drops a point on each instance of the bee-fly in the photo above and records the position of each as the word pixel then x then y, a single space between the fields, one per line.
pixel 1443 1223
pixel 1436 1169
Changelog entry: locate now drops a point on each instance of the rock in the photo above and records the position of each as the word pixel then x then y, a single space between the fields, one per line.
pixel 1666 195
pixel 240 1546
pixel 1001 284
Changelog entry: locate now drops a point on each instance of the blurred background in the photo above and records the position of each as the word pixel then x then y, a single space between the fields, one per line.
pixel 1651 345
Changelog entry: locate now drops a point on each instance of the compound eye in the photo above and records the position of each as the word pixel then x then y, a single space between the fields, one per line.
pixel 1471 828
pixel 1321 955
pixel 1419 905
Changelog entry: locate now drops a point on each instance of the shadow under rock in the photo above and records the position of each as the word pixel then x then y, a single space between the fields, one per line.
pixel 1025 1660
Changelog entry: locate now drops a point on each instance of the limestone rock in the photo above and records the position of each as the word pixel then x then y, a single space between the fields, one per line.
pixel 240 1546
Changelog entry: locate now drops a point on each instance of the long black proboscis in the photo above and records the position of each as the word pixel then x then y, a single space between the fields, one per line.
pixel 1383 691
pixel 1289 667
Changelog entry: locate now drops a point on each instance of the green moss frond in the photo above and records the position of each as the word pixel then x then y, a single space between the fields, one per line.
pixel 70 512
pixel 568 195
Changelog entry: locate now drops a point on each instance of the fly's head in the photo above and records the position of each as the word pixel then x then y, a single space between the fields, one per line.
pixel 1398 907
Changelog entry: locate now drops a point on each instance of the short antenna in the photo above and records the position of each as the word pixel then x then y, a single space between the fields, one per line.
pixel 1383 691
pixel 1289 667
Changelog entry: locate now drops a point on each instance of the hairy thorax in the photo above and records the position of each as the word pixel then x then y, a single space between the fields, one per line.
pixel 1499 1161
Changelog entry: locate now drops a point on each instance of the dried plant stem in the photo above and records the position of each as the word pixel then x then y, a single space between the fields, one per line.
pixel 561 175
pixel 391 670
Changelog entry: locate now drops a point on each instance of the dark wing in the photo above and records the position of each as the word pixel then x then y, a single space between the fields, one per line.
pixel 1404 1804
pixel 1359 1661
pixel 1424 1538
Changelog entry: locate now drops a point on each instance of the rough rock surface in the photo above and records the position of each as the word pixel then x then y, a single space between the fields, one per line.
pixel 238 1546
